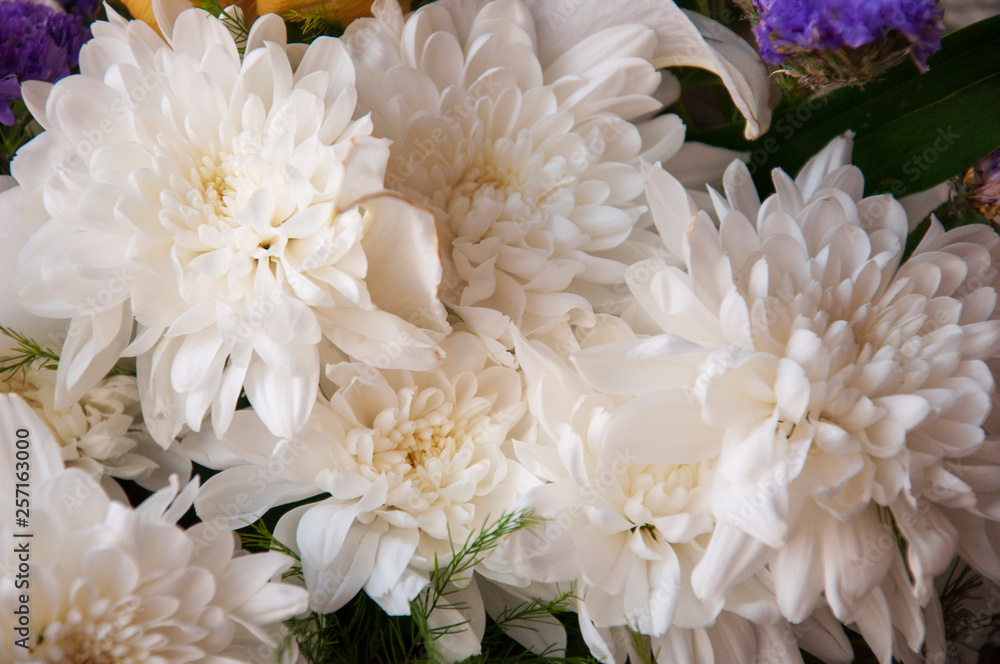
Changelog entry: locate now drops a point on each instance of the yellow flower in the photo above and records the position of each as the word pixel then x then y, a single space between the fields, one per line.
pixel 142 10
pixel 343 11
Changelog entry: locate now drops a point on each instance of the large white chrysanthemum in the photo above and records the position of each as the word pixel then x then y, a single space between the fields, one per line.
pixel 520 137
pixel 112 584
pixel 825 374
pixel 626 532
pixel 408 462
pixel 221 197
pixel 102 433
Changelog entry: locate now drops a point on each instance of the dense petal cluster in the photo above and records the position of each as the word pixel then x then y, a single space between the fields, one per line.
pixel 102 433
pixel 788 26
pixel 447 309
pixel 114 584
pixel 525 167
pixel 626 532
pixel 227 206
pixel 407 463
pixel 527 157
pixel 37 43
pixel 831 379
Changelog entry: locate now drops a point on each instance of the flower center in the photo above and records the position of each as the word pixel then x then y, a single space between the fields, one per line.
pixel 226 216
pixel 225 185
pixel 657 490
pixel 435 436
pixel 425 444
pixel 524 183
pixel 107 640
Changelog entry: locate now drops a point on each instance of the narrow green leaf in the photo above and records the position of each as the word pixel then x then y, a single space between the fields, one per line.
pixel 912 130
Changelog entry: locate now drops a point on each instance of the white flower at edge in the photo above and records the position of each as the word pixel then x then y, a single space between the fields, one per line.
pixel 114 584
pixel 731 638
pixel 627 533
pixel 232 208
pixel 102 433
pixel 624 531
pixel 407 463
pixel 959 497
pixel 821 371
pixel 528 158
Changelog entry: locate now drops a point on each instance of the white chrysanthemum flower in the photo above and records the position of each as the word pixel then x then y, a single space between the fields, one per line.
pixel 958 500
pixel 822 370
pixel 230 206
pixel 408 462
pixel 109 583
pixel 102 433
pixel 520 137
pixel 731 638
pixel 629 534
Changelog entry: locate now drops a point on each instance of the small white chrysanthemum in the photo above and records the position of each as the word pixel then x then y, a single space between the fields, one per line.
pixel 221 196
pixel 408 462
pixel 521 140
pixel 822 370
pixel 102 433
pixel 109 583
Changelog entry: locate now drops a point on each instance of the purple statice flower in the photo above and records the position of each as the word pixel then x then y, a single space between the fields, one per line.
pixel 37 43
pixel 87 9
pixel 982 184
pixel 810 26
pixel 10 89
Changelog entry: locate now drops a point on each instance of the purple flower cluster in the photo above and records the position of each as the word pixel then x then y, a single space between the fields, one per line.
pixel 983 184
pixel 789 26
pixel 37 43
pixel 85 8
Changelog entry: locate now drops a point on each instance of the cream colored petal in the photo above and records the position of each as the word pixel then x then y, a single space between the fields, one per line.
pixel 401 246
pixel 685 39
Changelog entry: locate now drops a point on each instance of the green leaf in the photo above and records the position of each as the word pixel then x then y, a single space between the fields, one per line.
pixel 912 130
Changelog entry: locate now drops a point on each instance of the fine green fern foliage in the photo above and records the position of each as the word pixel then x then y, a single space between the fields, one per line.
pixel 960 622
pixel 257 537
pixel 29 354
pixel 26 354
pixel 498 646
pixel 234 21
pixel 361 632
pixel 641 647
pixel 307 25
pixel 449 579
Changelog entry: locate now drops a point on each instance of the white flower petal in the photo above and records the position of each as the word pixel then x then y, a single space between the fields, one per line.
pixel 637 430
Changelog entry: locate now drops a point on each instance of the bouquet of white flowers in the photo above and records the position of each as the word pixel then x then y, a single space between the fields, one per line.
pixel 498 331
